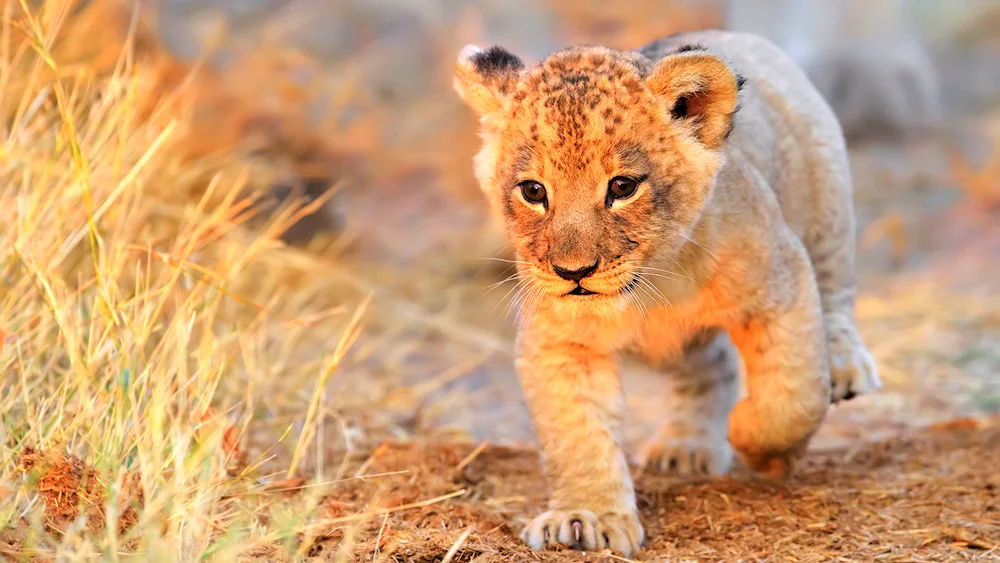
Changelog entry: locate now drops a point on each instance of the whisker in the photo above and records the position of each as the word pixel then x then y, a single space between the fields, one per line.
pixel 515 302
pixel 501 260
pixel 654 291
pixel 541 295
pixel 649 284
pixel 652 269
pixel 637 264
pixel 699 245
pixel 512 277
pixel 504 244
pixel 640 304
pixel 666 274
pixel 531 303
pixel 661 276
pixel 681 266
pixel 526 299
pixel 641 285
pixel 504 260
pixel 645 268
pixel 519 291
pixel 635 302
pixel 519 286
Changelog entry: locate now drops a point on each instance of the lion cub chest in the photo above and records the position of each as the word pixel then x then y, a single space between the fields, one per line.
pixel 662 332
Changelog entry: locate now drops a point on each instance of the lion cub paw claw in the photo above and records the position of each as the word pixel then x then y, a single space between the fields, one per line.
pixel 852 368
pixel 688 457
pixel 584 530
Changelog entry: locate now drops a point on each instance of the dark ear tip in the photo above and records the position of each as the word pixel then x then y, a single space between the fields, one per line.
pixel 495 60
pixel 688 48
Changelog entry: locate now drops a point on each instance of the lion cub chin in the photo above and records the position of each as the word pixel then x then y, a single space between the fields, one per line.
pixel 689 202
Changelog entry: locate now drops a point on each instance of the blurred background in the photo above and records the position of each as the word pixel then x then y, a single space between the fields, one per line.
pixel 352 296
pixel 363 89
pixel 346 106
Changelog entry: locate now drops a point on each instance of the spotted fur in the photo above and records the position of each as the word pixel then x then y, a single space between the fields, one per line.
pixel 738 242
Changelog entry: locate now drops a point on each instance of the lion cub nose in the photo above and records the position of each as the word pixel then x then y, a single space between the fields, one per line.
pixel 574 275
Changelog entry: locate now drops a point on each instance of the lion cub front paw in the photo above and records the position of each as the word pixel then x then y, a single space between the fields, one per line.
pixel 695 456
pixel 584 530
pixel 852 368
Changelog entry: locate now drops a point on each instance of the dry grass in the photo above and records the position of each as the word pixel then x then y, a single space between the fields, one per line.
pixel 178 384
pixel 142 330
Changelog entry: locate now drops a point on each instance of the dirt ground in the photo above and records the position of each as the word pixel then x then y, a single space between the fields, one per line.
pixel 925 496
pixel 930 495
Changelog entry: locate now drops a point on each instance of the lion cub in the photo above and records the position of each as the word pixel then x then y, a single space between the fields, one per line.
pixel 685 202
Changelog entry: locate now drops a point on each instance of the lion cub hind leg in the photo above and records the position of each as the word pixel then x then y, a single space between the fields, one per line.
pixel 575 398
pixel 852 368
pixel 703 386
pixel 830 243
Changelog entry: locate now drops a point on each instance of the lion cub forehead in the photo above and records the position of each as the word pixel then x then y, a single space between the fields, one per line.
pixel 579 106
pixel 580 69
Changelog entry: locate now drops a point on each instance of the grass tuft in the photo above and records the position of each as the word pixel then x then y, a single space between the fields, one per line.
pixel 144 324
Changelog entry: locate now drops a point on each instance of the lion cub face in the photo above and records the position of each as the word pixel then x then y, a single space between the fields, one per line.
pixel 598 161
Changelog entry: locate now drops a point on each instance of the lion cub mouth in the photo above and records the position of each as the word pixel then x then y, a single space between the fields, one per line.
pixel 579 290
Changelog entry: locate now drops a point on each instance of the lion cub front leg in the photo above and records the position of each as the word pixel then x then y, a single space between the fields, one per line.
pixel 574 395
pixel 782 342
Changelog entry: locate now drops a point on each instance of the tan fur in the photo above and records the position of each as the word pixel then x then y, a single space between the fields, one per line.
pixel 749 233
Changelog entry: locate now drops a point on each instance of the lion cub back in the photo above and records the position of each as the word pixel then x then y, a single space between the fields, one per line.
pixel 784 128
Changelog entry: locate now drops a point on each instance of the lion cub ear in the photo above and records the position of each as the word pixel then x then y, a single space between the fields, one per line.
pixel 701 88
pixel 484 79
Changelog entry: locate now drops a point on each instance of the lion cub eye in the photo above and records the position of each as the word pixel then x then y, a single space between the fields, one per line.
pixel 620 187
pixel 533 192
